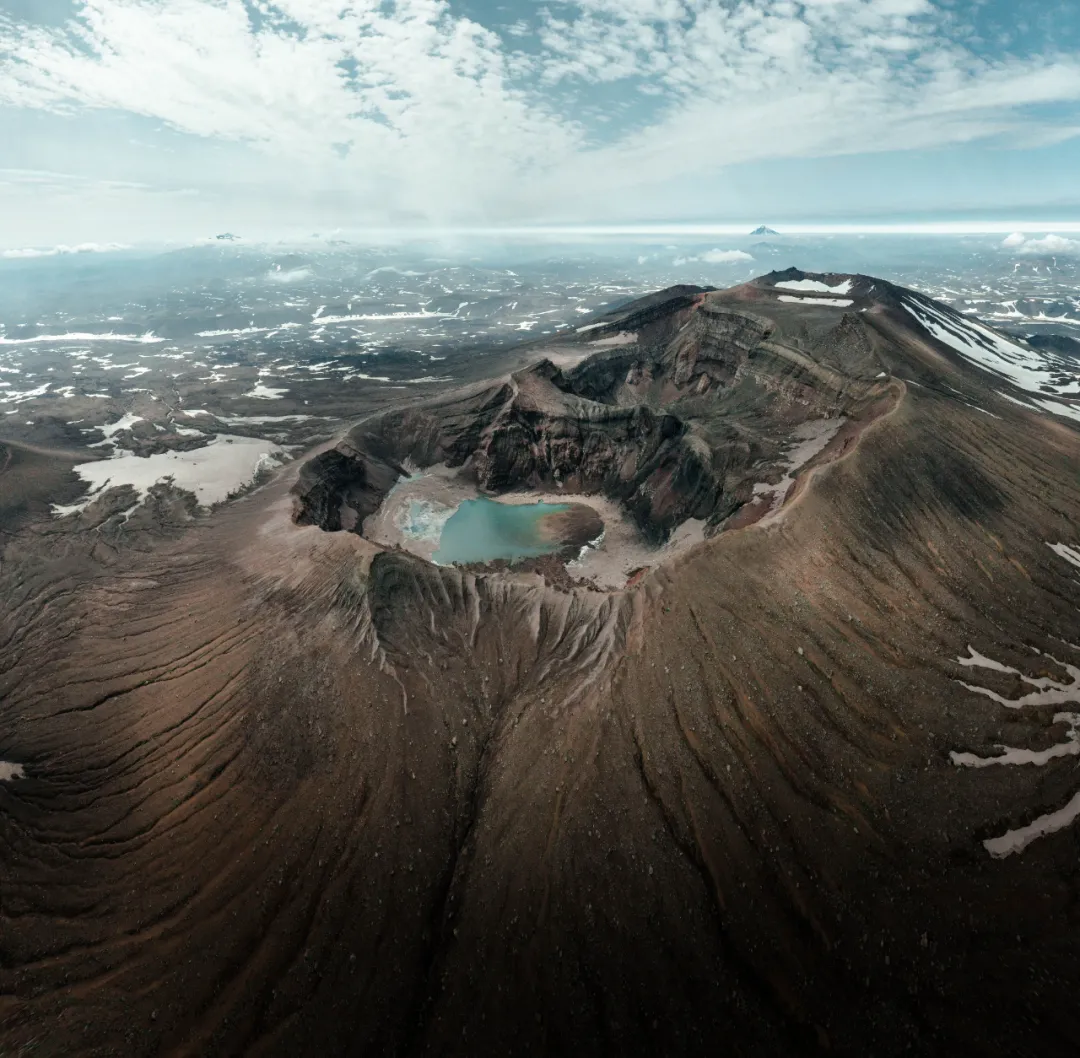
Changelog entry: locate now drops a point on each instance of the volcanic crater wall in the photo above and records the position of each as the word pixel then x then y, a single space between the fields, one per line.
pixel 677 424
pixel 647 460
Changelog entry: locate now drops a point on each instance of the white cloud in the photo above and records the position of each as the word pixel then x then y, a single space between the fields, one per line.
pixel 54 251
pixel 1052 244
pixel 725 256
pixel 715 257
pixel 288 275
pixel 1018 238
pixel 406 108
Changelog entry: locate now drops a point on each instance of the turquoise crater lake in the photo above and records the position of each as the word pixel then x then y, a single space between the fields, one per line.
pixel 484 530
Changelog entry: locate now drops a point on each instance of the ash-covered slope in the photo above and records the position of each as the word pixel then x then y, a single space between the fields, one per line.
pixel 808 789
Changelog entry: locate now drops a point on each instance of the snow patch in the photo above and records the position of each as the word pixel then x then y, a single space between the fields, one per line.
pixel 290 275
pixel 1055 407
pixel 812 438
pixel 231 333
pixel 1048 691
pixel 1070 554
pixel 239 420
pixel 1038 757
pixel 1018 840
pixel 211 472
pixel 263 393
pixel 815 286
pixel 991 351
pixel 423 520
pixel 148 338
pixel 15 396
pixel 126 422
pixel 622 338
pixel 422 315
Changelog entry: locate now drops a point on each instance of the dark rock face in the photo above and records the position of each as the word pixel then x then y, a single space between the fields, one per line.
pixel 1056 343
pixel 340 489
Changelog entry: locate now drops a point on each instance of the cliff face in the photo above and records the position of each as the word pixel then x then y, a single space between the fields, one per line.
pixel 342 487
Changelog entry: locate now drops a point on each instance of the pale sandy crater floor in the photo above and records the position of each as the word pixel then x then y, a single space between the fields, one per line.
pixel 413 515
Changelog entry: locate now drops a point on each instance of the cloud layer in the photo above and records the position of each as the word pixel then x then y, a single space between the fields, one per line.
pixel 578 110
pixel 1048 245
pixel 58 251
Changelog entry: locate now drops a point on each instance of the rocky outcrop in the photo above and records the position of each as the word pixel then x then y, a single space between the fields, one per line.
pixel 716 345
pixel 339 489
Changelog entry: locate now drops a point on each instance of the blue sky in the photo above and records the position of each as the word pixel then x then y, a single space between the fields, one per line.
pixel 143 120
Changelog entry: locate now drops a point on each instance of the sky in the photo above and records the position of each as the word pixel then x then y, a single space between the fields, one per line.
pixel 129 121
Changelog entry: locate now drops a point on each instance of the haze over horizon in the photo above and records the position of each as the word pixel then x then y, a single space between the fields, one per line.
pixel 144 120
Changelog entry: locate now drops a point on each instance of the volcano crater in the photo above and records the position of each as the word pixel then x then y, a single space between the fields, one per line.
pixel 639 447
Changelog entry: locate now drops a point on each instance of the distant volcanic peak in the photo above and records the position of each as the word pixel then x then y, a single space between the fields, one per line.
pixel 764 230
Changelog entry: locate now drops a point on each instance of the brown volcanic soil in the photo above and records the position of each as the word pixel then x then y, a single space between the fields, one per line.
pixel 32 477
pixel 573 528
pixel 288 793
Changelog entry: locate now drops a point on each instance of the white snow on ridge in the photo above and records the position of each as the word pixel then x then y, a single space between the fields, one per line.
pixel 1070 554
pixel 423 314
pixel 1055 407
pixel 149 338
pixel 1023 367
pixel 815 286
pixel 1048 691
pixel 263 392
pixel 1018 840
pixel 233 333
pixel 126 422
pixel 840 303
